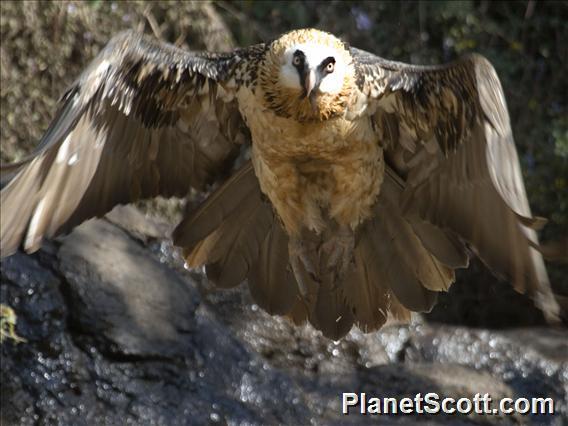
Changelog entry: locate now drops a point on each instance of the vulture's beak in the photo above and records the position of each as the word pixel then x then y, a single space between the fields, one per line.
pixel 310 81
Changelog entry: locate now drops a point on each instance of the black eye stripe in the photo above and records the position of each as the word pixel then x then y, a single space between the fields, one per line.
pixel 298 54
pixel 327 61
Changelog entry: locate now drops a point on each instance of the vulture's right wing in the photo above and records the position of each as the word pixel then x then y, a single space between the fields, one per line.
pixel 447 135
pixel 144 119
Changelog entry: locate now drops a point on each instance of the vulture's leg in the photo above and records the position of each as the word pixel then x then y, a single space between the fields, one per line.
pixel 337 252
pixel 302 256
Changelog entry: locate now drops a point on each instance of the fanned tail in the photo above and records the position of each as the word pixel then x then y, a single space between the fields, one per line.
pixel 237 236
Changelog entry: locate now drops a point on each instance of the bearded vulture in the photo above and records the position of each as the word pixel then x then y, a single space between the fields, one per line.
pixel 369 181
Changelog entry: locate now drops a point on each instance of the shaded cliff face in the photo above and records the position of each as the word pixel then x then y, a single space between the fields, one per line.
pixel 117 331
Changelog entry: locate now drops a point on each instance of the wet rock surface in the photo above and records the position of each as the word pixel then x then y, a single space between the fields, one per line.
pixel 119 333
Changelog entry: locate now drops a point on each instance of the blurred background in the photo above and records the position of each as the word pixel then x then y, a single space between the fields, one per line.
pixel 45 45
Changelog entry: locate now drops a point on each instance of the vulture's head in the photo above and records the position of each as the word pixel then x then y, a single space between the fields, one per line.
pixel 308 75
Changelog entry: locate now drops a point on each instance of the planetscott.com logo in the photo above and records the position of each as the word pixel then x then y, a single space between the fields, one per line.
pixel 432 403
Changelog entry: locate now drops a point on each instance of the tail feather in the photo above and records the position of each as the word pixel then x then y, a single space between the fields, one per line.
pixel 271 282
pixel 330 312
pixel 236 235
pixel 365 290
pixel 238 250
pixel 231 249
pixel 217 208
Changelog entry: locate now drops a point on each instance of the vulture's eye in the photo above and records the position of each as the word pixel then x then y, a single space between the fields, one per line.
pixel 297 61
pixel 327 65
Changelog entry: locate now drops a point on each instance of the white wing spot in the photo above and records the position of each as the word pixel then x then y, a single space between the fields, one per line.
pixel 63 151
pixel 31 236
pixel 103 66
pixel 73 159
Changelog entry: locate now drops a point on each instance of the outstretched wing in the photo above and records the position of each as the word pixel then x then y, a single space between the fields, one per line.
pixel 144 119
pixel 447 134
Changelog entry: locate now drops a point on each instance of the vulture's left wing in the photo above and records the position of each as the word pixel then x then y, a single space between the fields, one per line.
pixel 144 119
pixel 447 134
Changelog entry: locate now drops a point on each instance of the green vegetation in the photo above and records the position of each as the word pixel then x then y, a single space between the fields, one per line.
pixel 8 322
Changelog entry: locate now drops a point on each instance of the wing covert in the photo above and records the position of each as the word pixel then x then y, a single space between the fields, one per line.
pixel 144 119
pixel 447 134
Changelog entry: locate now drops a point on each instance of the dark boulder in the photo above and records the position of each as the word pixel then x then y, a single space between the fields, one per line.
pixel 118 331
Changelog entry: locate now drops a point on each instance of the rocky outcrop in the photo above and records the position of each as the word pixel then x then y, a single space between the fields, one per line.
pixel 119 333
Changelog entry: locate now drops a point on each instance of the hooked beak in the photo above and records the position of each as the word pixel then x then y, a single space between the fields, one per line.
pixel 310 81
